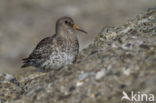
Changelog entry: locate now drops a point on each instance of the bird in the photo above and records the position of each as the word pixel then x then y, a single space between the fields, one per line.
pixel 57 51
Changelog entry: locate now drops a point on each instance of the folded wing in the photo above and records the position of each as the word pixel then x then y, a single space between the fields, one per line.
pixel 38 54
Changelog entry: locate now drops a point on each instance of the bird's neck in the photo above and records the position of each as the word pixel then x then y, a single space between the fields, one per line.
pixel 66 35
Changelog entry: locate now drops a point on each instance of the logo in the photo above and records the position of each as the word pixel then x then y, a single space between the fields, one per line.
pixel 138 97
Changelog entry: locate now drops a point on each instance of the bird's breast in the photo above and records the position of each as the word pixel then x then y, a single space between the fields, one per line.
pixel 61 54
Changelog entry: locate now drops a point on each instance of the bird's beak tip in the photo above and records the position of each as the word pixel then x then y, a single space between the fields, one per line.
pixel 77 28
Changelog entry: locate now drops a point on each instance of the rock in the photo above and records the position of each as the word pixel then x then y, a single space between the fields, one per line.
pixel 9 88
pixel 121 59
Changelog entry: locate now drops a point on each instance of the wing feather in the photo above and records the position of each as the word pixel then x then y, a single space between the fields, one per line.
pixel 37 52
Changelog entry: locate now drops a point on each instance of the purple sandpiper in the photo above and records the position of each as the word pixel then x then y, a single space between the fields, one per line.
pixel 56 51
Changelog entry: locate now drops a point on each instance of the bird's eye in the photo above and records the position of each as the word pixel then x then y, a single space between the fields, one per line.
pixel 66 22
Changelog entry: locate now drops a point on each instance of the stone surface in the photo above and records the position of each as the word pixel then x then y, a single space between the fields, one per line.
pixel 121 59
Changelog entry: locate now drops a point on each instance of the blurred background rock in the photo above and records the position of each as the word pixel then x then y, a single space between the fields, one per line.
pixel 23 23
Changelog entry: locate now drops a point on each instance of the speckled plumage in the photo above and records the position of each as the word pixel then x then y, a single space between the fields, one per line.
pixel 57 51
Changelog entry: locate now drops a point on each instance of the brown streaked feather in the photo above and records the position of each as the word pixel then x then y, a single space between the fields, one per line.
pixel 37 52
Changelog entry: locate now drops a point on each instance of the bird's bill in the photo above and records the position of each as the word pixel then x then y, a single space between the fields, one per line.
pixel 77 28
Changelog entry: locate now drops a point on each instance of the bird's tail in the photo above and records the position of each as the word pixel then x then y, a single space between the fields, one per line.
pixel 26 63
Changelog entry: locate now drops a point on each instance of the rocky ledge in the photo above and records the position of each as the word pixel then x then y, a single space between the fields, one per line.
pixel 121 59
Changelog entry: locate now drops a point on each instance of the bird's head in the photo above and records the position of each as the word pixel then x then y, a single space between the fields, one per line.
pixel 67 24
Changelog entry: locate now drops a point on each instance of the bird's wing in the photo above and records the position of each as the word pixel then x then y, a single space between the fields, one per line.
pixel 40 48
pixel 38 52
